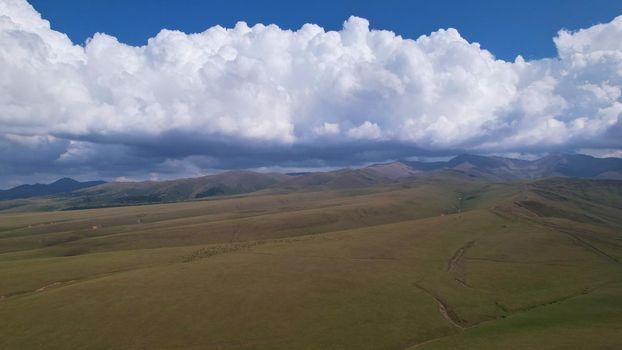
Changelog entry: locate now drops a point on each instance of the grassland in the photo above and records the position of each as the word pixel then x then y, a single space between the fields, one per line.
pixel 444 262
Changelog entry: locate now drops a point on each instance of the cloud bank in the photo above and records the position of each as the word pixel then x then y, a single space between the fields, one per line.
pixel 264 96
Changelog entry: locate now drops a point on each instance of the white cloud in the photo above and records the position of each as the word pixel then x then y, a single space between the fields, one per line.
pixel 367 130
pixel 281 88
pixel 327 129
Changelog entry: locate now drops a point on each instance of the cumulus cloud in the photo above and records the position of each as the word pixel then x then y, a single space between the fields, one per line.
pixel 327 129
pixel 264 96
pixel 366 130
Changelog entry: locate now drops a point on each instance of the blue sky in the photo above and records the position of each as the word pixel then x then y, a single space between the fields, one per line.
pixel 162 89
pixel 506 28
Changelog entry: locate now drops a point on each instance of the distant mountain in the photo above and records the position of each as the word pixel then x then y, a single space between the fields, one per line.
pixel 124 193
pixel 63 185
pixel 424 166
pixel 392 171
pixel 70 194
pixel 373 175
pixel 299 173
pixel 580 165
pixel 499 168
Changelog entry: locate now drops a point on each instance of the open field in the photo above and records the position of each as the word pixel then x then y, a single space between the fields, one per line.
pixel 443 262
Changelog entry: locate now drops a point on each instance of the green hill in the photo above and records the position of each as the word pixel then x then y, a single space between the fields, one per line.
pixel 441 261
pixel 243 182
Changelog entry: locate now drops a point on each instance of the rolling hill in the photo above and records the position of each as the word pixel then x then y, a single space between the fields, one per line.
pixel 442 261
pixel 499 168
pixel 227 183
pixel 63 185
pixel 373 175
pixel 245 182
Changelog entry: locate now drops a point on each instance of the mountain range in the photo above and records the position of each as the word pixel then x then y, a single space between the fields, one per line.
pixel 499 168
pixel 70 194
pixel 63 185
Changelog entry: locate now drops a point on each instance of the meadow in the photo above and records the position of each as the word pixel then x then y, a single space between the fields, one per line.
pixel 440 262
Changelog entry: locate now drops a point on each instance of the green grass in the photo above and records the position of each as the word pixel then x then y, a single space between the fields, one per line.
pixel 587 321
pixel 320 270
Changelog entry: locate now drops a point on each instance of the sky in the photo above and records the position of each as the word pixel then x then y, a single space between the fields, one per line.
pixel 506 28
pixel 163 89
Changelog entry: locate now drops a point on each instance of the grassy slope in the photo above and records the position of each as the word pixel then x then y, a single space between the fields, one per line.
pixel 149 192
pixel 365 269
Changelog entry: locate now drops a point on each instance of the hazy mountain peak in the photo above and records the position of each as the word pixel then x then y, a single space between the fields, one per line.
pixel 64 181
pixel 63 185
